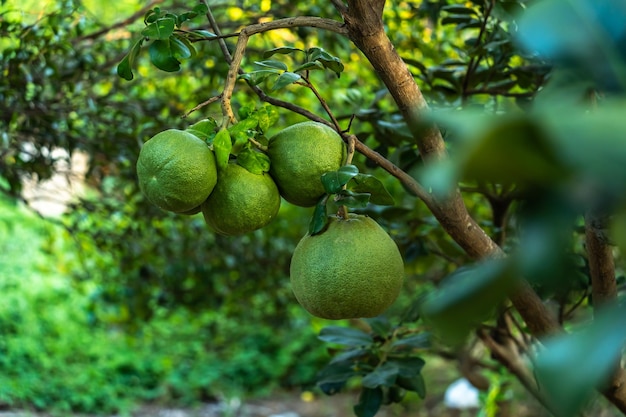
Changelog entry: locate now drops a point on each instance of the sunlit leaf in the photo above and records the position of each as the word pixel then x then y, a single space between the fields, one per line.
pixel 222 146
pixel 161 29
pixel 203 129
pixel 254 161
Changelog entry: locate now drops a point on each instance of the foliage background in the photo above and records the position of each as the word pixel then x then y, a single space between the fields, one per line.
pixel 120 300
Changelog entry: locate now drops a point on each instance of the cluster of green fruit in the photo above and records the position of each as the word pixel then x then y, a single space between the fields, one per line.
pixel 351 269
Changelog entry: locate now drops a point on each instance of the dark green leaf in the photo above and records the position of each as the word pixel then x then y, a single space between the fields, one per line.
pixel 319 220
pixel 456 9
pixel 408 366
pixel 334 376
pixel 369 403
pixel 161 29
pixel 203 129
pixel 254 161
pixel 345 336
pixel 222 146
pixel 180 50
pixel 350 355
pixel 415 384
pixel 271 63
pixel 380 325
pixel 285 79
pixel 455 19
pixel 200 8
pixel 309 66
pixel 125 67
pixel 284 50
pixel 384 375
pixel 365 183
pixel 334 181
pixel 162 57
pixel 352 199
pixel 417 341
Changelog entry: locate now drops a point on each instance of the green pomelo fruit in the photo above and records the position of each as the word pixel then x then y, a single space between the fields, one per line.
pixel 353 269
pixel 241 201
pixel 176 170
pixel 299 155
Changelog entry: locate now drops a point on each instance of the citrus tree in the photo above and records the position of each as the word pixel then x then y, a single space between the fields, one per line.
pixel 484 136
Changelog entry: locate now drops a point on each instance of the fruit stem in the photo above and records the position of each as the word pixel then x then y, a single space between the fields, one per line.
pixel 342 213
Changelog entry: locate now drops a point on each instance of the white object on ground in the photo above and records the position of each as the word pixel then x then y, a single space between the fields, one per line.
pixel 461 394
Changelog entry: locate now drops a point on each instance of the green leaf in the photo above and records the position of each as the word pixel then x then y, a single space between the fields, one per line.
pixel 271 63
pixel 467 298
pixel 125 67
pixel 257 77
pixel 200 8
pixel 334 181
pixel 365 183
pixel 455 19
pixel 327 60
pixel 285 79
pixel 204 33
pixel 162 57
pixel 179 48
pixel 384 375
pixel 283 50
pixel 222 146
pixel 161 29
pixel 241 131
pixel 352 199
pixel 203 129
pixel 380 325
pixel 319 220
pixel 333 377
pixel 570 367
pixel 268 115
pixel 345 336
pixel 418 341
pixel 316 65
pixel 456 9
pixel 415 384
pixel 254 161
pixel 409 366
pixel 369 403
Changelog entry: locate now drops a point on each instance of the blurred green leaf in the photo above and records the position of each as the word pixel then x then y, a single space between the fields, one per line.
pixel 222 146
pixel 181 47
pixel 369 403
pixel 334 181
pixel 345 336
pixel 162 29
pixel 257 77
pixel 380 325
pixel 571 367
pixel 418 341
pixel 271 63
pixel 415 384
pixel 468 297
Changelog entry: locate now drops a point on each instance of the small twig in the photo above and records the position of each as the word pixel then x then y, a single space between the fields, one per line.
pixel 216 30
pixel 201 105
pixel 323 102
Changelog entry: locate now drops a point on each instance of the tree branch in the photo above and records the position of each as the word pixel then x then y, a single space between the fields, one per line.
pixel 600 258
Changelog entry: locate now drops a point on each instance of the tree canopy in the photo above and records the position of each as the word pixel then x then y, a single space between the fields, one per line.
pixel 492 134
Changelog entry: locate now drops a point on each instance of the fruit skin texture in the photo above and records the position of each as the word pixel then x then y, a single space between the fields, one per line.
pixel 299 155
pixel 353 269
pixel 241 201
pixel 176 170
